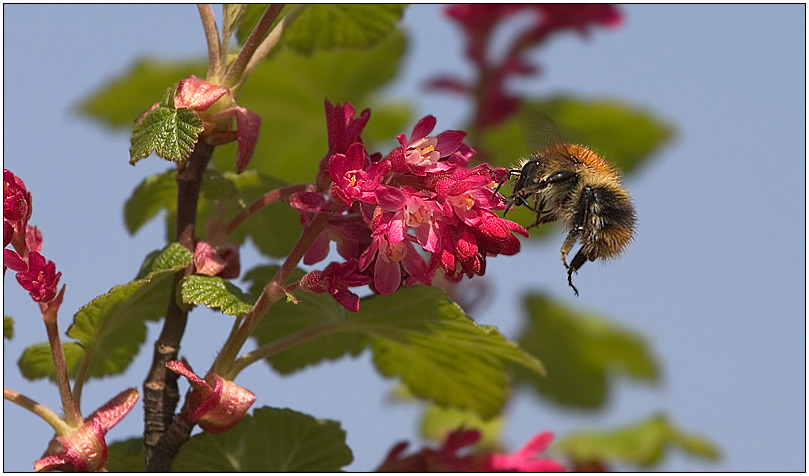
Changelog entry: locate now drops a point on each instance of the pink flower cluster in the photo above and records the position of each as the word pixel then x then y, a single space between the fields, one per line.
pixel 400 217
pixel 447 458
pixel 35 274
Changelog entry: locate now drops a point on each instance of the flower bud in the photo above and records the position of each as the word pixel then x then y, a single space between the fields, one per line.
pixel 214 403
pixel 85 449
pixel 222 261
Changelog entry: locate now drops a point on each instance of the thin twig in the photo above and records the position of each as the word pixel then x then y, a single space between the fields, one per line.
pixel 268 44
pixel 236 69
pixel 59 426
pixel 72 412
pixel 212 36
pixel 270 197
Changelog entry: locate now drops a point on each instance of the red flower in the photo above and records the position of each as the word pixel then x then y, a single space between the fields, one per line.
pixel 85 448
pixel 335 280
pixel 381 208
pixel 16 198
pixel 447 458
pixel 578 17
pixel 354 177
pixel 41 278
pixel 17 210
pixel 423 153
pixel 343 129
pixel 526 459
pixel 215 403
pixel 391 254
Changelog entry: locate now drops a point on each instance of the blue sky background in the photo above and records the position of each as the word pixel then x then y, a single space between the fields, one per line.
pixel 715 280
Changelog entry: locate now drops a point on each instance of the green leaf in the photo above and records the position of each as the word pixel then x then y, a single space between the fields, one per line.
pixel 642 444
pixel 326 26
pixel 316 313
pixel 313 311
pixel 580 352
pixel 168 258
pixel 215 293
pixel 436 422
pixel 323 27
pixel 442 355
pixel 36 361
pixel 126 456
pixel 111 328
pixel 156 192
pixel 8 327
pixel 168 131
pixel 416 334
pixel 271 440
pixel 289 91
pixel 122 99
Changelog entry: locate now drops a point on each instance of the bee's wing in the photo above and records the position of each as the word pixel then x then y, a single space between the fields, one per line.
pixel 538 130
pixel 542 134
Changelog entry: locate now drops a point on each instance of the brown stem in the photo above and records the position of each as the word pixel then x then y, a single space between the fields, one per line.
pixel 212 37
pixel 72 412
pixel 160 392
pixel 259 31
pixel 270 197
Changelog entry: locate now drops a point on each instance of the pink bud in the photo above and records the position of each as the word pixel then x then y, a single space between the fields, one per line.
pixel 85 448
pixel 215 404
pixel 197 94
pixel 222 261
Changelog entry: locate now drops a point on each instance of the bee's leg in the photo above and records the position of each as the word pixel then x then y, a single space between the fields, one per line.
pixel 511 173
pixel 577 263
pixel 583 210
pixel 581 217
pixel 571 239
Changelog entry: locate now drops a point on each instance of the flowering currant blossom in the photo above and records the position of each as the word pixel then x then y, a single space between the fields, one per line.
pixel 16 210
pixel 402 216
pixel 447 458
pixel 85 448
pixel 41 278
pixel 335 280
pixel 35 274
pixel 343 129
pixel 214 403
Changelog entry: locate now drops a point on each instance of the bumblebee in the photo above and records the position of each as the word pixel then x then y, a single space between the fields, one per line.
pixel 573 185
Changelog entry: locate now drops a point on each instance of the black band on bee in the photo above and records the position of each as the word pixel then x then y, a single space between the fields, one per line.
pixel 616 209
